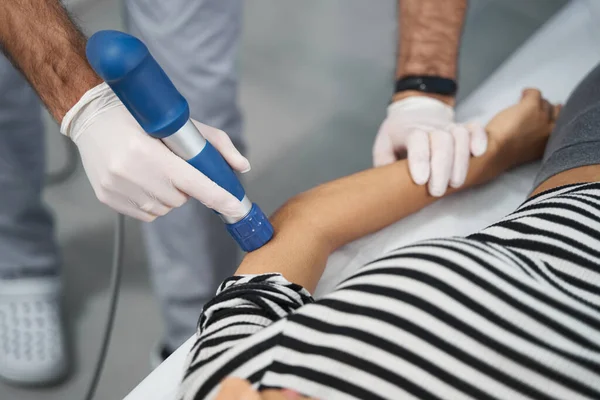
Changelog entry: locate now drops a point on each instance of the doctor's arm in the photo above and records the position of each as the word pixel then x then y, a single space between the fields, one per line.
pixel 129 171
pixel 429 40
pixel 310 226
pixel 47 47
pixel 420 119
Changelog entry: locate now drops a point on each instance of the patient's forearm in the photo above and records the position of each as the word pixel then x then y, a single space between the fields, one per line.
pixel 314 223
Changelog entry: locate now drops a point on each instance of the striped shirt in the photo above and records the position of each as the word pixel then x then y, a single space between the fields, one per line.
pixel 511 312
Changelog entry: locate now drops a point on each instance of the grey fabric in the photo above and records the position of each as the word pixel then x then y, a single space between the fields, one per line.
pixel 575 141
pixel 27 246
pixel 189 251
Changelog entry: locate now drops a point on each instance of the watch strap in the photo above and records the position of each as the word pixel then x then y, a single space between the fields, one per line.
pixel 427 84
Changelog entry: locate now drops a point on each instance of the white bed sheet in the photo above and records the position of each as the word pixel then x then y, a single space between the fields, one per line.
pixel 554 60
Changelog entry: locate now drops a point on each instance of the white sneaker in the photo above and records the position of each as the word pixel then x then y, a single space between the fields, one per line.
pixel 32 343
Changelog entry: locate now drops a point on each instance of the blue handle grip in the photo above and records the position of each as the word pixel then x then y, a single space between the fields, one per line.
pixel 212 164
pixel 125 63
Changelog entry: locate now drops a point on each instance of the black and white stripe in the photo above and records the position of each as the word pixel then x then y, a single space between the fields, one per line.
pixel 512 312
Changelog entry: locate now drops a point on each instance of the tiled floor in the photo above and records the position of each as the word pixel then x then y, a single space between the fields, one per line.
pixel 311 115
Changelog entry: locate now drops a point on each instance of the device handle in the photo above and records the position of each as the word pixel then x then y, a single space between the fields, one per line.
pixel 126 65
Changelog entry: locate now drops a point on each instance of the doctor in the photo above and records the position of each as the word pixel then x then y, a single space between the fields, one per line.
pixel 189 253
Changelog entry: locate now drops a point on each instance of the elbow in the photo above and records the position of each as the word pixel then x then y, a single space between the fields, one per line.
pixel 303 216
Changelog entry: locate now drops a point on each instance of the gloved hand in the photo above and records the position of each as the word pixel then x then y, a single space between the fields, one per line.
pixel 136 174
pixel 438 149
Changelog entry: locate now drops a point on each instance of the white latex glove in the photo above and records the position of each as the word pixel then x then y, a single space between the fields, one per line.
pixel 438 149
pixel 136 174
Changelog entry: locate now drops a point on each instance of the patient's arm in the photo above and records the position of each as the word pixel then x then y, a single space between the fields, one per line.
pixel 308 228
pixel 313 224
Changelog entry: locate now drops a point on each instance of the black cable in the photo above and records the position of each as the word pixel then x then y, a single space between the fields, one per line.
pixel 113 291
pixel 112 305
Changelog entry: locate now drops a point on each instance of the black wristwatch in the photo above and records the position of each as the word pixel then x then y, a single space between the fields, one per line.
pixel 427 84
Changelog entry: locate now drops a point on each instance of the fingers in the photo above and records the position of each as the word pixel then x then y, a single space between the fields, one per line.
pixel 531 94
pixel 417 144
pixel 556 109
pixel 130 199
pixel 535 95
pixel 547 109
pixel 479 139
pixel 551 110
pixel 170 196
pixel 554 112
pixel 468 139
pixel 140 177
pixel 127 207
pixel 137 204
pixel 147 191
pixel 383 149
pixel 195 184
pixel 442 156
pixel 133 213
pixel 222 142
pixel 462 154
pixel 150 205
pixel 156 181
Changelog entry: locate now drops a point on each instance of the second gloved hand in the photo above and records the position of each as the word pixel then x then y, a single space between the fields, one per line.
pixel 438 150
pixel 136 174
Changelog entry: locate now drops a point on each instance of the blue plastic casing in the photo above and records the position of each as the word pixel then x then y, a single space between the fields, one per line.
pixel 127 66
pixel 125 63
pixel 253 231
pixel 212 164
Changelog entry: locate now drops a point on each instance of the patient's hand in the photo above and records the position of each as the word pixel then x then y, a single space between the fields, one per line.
pixel 520 132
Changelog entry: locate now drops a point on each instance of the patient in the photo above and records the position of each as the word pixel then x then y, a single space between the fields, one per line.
pixel 511 312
